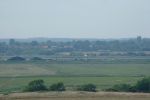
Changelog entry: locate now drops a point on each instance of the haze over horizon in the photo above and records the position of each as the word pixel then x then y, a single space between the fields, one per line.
pixel 74 18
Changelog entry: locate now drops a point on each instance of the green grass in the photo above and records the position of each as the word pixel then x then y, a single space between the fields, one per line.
pixel 52 69
pixel 14 76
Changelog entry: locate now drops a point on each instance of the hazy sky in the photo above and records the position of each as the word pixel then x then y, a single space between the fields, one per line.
pixel 74 18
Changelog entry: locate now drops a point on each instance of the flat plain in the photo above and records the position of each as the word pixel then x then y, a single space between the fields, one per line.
pixel 14 76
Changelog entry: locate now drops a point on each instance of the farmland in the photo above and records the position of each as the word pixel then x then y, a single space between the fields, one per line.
pixel 14 76
pixel 74 50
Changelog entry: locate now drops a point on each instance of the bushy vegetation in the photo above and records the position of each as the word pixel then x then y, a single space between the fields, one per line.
pixel 57 87
pixel 141 86
pixel 16 59
pixel 36 59
pixel 87 87
pixel 36 85
pixel 122 88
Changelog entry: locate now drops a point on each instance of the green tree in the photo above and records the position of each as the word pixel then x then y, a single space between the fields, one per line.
pixel 143 85
pixel 36 85
pixel 57 87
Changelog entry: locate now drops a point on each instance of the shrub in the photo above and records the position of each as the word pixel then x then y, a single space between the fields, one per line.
pixel 36 85
pixel 57 87
pixel 87 87
pixel 143 85
pixel 16 59
pixel 36 58
pixel 121 88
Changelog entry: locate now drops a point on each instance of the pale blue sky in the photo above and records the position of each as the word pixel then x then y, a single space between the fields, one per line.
pixel 74 18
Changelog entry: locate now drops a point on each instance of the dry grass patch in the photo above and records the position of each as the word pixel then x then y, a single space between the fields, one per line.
pixel 76 96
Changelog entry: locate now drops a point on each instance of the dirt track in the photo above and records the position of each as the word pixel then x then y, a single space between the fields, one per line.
pixel 76 96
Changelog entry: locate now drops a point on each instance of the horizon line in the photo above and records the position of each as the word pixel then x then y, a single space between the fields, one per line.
pixel 72 37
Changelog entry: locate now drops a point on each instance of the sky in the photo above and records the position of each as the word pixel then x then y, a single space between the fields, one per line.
pixel 74 18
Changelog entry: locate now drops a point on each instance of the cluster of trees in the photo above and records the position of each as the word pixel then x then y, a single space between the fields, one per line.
pixel 51 47
pixel 141 86
pixel 38 85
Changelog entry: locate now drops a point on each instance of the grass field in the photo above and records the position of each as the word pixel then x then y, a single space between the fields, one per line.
pixel 42 68
pixel 17 84
pixel 75 96
pixel 14 76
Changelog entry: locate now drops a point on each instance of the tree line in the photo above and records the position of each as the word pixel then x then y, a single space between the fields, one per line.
pixel 39 85
pixel 50 47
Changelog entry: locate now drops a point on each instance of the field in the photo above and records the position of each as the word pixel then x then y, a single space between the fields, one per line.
pixel 75 96
pixel 14 76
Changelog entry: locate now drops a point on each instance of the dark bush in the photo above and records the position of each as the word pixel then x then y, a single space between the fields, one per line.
pixel 87 87
pixel 16 59
pixel 57 87
pixel 36 58
pixel 36 85
pixel 143 85
pixel 121 88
